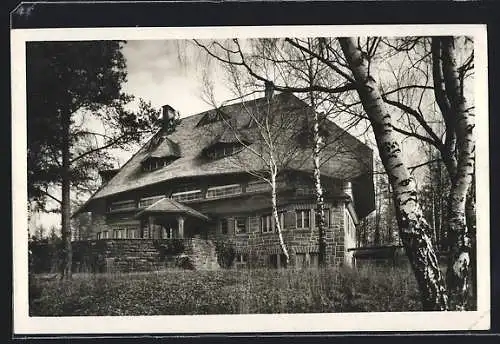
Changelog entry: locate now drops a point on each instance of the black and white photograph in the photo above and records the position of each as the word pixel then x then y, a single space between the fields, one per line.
pixel 241 179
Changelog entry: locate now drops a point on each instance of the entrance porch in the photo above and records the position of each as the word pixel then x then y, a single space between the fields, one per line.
pixel 169 219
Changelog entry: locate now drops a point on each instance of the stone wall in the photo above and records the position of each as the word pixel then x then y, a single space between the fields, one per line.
pixel 127 255
pixel 203 255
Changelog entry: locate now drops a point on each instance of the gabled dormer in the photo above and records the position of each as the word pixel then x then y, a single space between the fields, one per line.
pixel 221 150
pixel 226 144
pixel 162 153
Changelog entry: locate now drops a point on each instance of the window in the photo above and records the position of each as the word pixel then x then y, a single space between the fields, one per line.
pixel 349 224
pixel 105 235
pixel 300 260
pixel 222 150
pixel 327 217
pixel 122 205
pixel 241 260
pixel 303 190
pixel 306 260
pixel 152 164
pixel 240 225
pixel 302 218
pixel 223 225
pixel 281 216
pixel 314 259
pixel 147 201
pixel 258 186
pixel 120 233
pixel 266 224
pixel 187 195
pixel 225 190
pixel 132 234
pixel 277 261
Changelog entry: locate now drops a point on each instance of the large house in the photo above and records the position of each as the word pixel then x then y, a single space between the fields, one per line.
pixel 207 181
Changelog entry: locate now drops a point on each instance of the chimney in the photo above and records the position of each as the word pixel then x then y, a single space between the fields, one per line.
pixel 347 188
pixel 168 115
pixel 269 90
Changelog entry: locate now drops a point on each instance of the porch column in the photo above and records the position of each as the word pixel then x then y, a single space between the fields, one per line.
pixel 150 227
pixel 180 223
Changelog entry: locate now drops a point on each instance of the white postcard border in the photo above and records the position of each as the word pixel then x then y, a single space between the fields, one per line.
pixel 406 321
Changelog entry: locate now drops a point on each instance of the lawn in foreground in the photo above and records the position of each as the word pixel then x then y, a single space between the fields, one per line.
pixel 228 292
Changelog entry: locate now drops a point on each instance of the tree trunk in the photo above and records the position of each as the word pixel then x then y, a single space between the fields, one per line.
pixel 458 234
pixel 414 230
pixel 378 215
pixel 318 188
pixel 65 200
pixel 320 204
pixel 470 216
pixel 276 217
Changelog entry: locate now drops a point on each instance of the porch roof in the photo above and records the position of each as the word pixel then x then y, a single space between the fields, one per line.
pixel 170 206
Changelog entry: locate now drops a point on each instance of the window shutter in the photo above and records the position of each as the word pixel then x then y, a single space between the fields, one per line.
pixel 289 219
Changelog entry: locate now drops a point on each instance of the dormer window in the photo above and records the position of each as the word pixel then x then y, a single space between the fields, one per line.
pixel 221 150
pixel 152 164
pixel 212 117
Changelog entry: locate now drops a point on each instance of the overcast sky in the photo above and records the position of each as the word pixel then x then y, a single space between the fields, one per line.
pixel 163 72
pixel 169 72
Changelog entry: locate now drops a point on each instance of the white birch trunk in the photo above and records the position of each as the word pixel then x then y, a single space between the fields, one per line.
pixel 415 232
pixel 458 234
pixel 274 204
pixel 320 204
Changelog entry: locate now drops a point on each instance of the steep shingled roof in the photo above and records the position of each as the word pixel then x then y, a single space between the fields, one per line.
pixel 352 158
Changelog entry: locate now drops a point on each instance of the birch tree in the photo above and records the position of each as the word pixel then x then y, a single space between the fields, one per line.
pixel 414 230
pixel 269 137
pixel 283 67
pixel 456 151
pixel 349 71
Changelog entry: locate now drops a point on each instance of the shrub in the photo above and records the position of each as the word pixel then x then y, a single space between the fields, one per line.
pixel 185 262
pixel 225 254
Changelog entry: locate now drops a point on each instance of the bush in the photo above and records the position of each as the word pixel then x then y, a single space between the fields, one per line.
pixel 184 262
pixel 225 254
pixel 45 255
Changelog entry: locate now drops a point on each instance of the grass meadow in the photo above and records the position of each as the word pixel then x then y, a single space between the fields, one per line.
pixel 368 289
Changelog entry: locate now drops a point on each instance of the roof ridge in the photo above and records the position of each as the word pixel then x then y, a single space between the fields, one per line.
pixel 161 199
pixel 240 103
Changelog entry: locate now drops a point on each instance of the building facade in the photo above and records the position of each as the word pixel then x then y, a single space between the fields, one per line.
pixel 208 181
